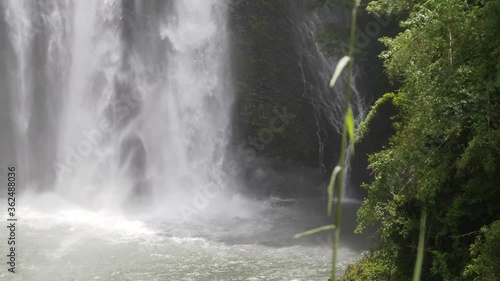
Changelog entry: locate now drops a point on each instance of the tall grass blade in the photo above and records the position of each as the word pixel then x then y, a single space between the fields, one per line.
pixel 348 129
pixel 331 187
pixel 338 69
pixel 315 230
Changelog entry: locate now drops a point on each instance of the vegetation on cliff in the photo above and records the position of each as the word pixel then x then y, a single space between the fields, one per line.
pixel 445 155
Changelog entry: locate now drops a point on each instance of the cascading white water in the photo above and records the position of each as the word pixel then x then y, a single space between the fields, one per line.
pixel 107 105
pixel 123 115
pixel 195 115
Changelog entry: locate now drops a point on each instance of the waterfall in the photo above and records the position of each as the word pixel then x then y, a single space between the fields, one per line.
pixel 111 102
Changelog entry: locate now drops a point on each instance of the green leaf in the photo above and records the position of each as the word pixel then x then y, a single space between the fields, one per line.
pixel 349 123
pixel 330 189
pixel 313 231
pixel 338 69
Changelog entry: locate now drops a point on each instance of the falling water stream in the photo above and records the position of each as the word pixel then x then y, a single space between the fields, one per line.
pixel 116 115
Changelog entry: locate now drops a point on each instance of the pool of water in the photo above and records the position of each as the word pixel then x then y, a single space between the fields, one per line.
pixel 71 243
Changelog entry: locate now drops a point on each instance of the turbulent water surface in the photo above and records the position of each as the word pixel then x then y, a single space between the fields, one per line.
pixel 58 241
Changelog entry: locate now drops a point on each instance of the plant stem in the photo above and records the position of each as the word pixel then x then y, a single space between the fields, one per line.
pixel 420 252
pixel 343 148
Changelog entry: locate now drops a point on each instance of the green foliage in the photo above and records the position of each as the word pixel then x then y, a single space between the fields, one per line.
pixel 374 266
pixel 363 128
pixel 485 251
pixel 445 154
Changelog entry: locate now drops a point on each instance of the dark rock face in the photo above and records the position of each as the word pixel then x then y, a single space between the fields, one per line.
pixel 274 77
pixel 280 67
pixel 268 79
